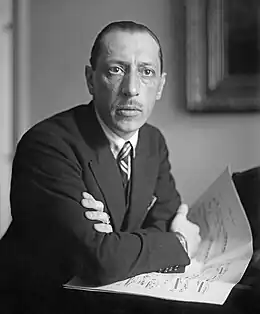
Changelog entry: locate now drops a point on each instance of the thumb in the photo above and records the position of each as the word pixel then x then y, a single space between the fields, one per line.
pixel 183 210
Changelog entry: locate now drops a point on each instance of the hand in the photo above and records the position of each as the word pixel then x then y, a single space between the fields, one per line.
pixel 189 230
pixel 97 213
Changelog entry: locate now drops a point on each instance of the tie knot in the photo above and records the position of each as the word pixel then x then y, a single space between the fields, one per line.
pixel 125 151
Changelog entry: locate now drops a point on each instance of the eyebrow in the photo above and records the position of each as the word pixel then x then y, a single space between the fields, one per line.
pixel 118 61
pixel 148 64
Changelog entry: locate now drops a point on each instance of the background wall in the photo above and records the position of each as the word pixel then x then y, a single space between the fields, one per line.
pixel 60 35
pixel 6 110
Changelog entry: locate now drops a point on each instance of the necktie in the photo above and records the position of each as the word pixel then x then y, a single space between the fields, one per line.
pixel 124 159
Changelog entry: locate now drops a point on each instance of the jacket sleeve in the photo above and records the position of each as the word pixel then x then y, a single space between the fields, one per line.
pixel 167 197
pixel 58 242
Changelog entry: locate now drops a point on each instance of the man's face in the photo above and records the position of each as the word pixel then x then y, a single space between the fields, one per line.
pixel 127 80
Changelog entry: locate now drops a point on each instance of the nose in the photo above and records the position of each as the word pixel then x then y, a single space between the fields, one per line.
pixel 131 85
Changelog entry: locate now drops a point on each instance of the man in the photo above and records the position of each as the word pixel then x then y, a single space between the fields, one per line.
pixel 92 194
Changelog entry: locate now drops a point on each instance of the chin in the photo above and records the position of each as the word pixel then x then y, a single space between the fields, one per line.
pixel 128 127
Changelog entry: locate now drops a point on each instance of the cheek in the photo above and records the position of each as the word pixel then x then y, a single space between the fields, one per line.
pixel 149 92
pixel 111 85
pixel 150 85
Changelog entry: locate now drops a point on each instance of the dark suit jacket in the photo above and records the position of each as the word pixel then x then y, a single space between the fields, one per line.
pixel 50 240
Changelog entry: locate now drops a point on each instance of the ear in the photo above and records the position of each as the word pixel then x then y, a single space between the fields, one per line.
pixel 161 86
pixel 89 79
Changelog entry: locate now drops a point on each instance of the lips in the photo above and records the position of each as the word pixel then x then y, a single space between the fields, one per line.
pixel 128 108
pixel 128 112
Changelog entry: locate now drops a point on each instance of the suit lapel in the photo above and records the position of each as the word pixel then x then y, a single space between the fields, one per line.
pixel 102 164
pixel 143 181
pixel 108 177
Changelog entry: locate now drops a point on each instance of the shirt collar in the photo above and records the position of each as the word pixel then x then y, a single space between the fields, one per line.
pixel 116 142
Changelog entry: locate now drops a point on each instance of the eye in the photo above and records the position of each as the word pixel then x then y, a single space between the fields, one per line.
pixel 114 70
pixel 148 72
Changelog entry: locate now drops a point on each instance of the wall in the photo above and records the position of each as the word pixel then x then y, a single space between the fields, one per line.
pixel 6 111
pixel 61 34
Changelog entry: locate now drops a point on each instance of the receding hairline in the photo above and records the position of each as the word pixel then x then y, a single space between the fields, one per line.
pixel 131 32
pixel 124 27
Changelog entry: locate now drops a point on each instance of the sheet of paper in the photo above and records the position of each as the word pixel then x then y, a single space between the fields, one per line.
pixel 225 251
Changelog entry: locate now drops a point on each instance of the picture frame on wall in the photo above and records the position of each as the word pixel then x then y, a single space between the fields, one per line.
pixel 222 55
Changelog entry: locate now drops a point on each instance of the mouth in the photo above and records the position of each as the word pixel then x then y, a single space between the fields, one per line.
pixel 128 112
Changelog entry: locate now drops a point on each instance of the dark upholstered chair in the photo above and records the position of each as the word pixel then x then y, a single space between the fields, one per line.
pixel 248 186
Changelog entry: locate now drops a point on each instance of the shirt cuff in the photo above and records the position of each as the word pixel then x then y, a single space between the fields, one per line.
pixel 182 240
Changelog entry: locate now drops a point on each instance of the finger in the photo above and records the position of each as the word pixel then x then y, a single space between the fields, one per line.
pixel 100 216
pixel 99 206
pixel 196 228
pixel 183 210
pixel 91 201
pixel 93 204
pixel 192 227
pixel 87 195
pixel 199 238
pixel 95 215
pixel 104 228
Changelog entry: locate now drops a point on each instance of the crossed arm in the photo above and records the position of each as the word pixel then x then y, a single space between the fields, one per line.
pixel 186 231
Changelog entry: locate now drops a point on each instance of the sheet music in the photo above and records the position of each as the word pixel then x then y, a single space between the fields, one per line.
pixel 224 253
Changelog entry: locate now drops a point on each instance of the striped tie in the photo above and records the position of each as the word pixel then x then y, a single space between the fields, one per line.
pixel 124 159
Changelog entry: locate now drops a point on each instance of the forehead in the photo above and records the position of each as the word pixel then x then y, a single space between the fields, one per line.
pixel 125 46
